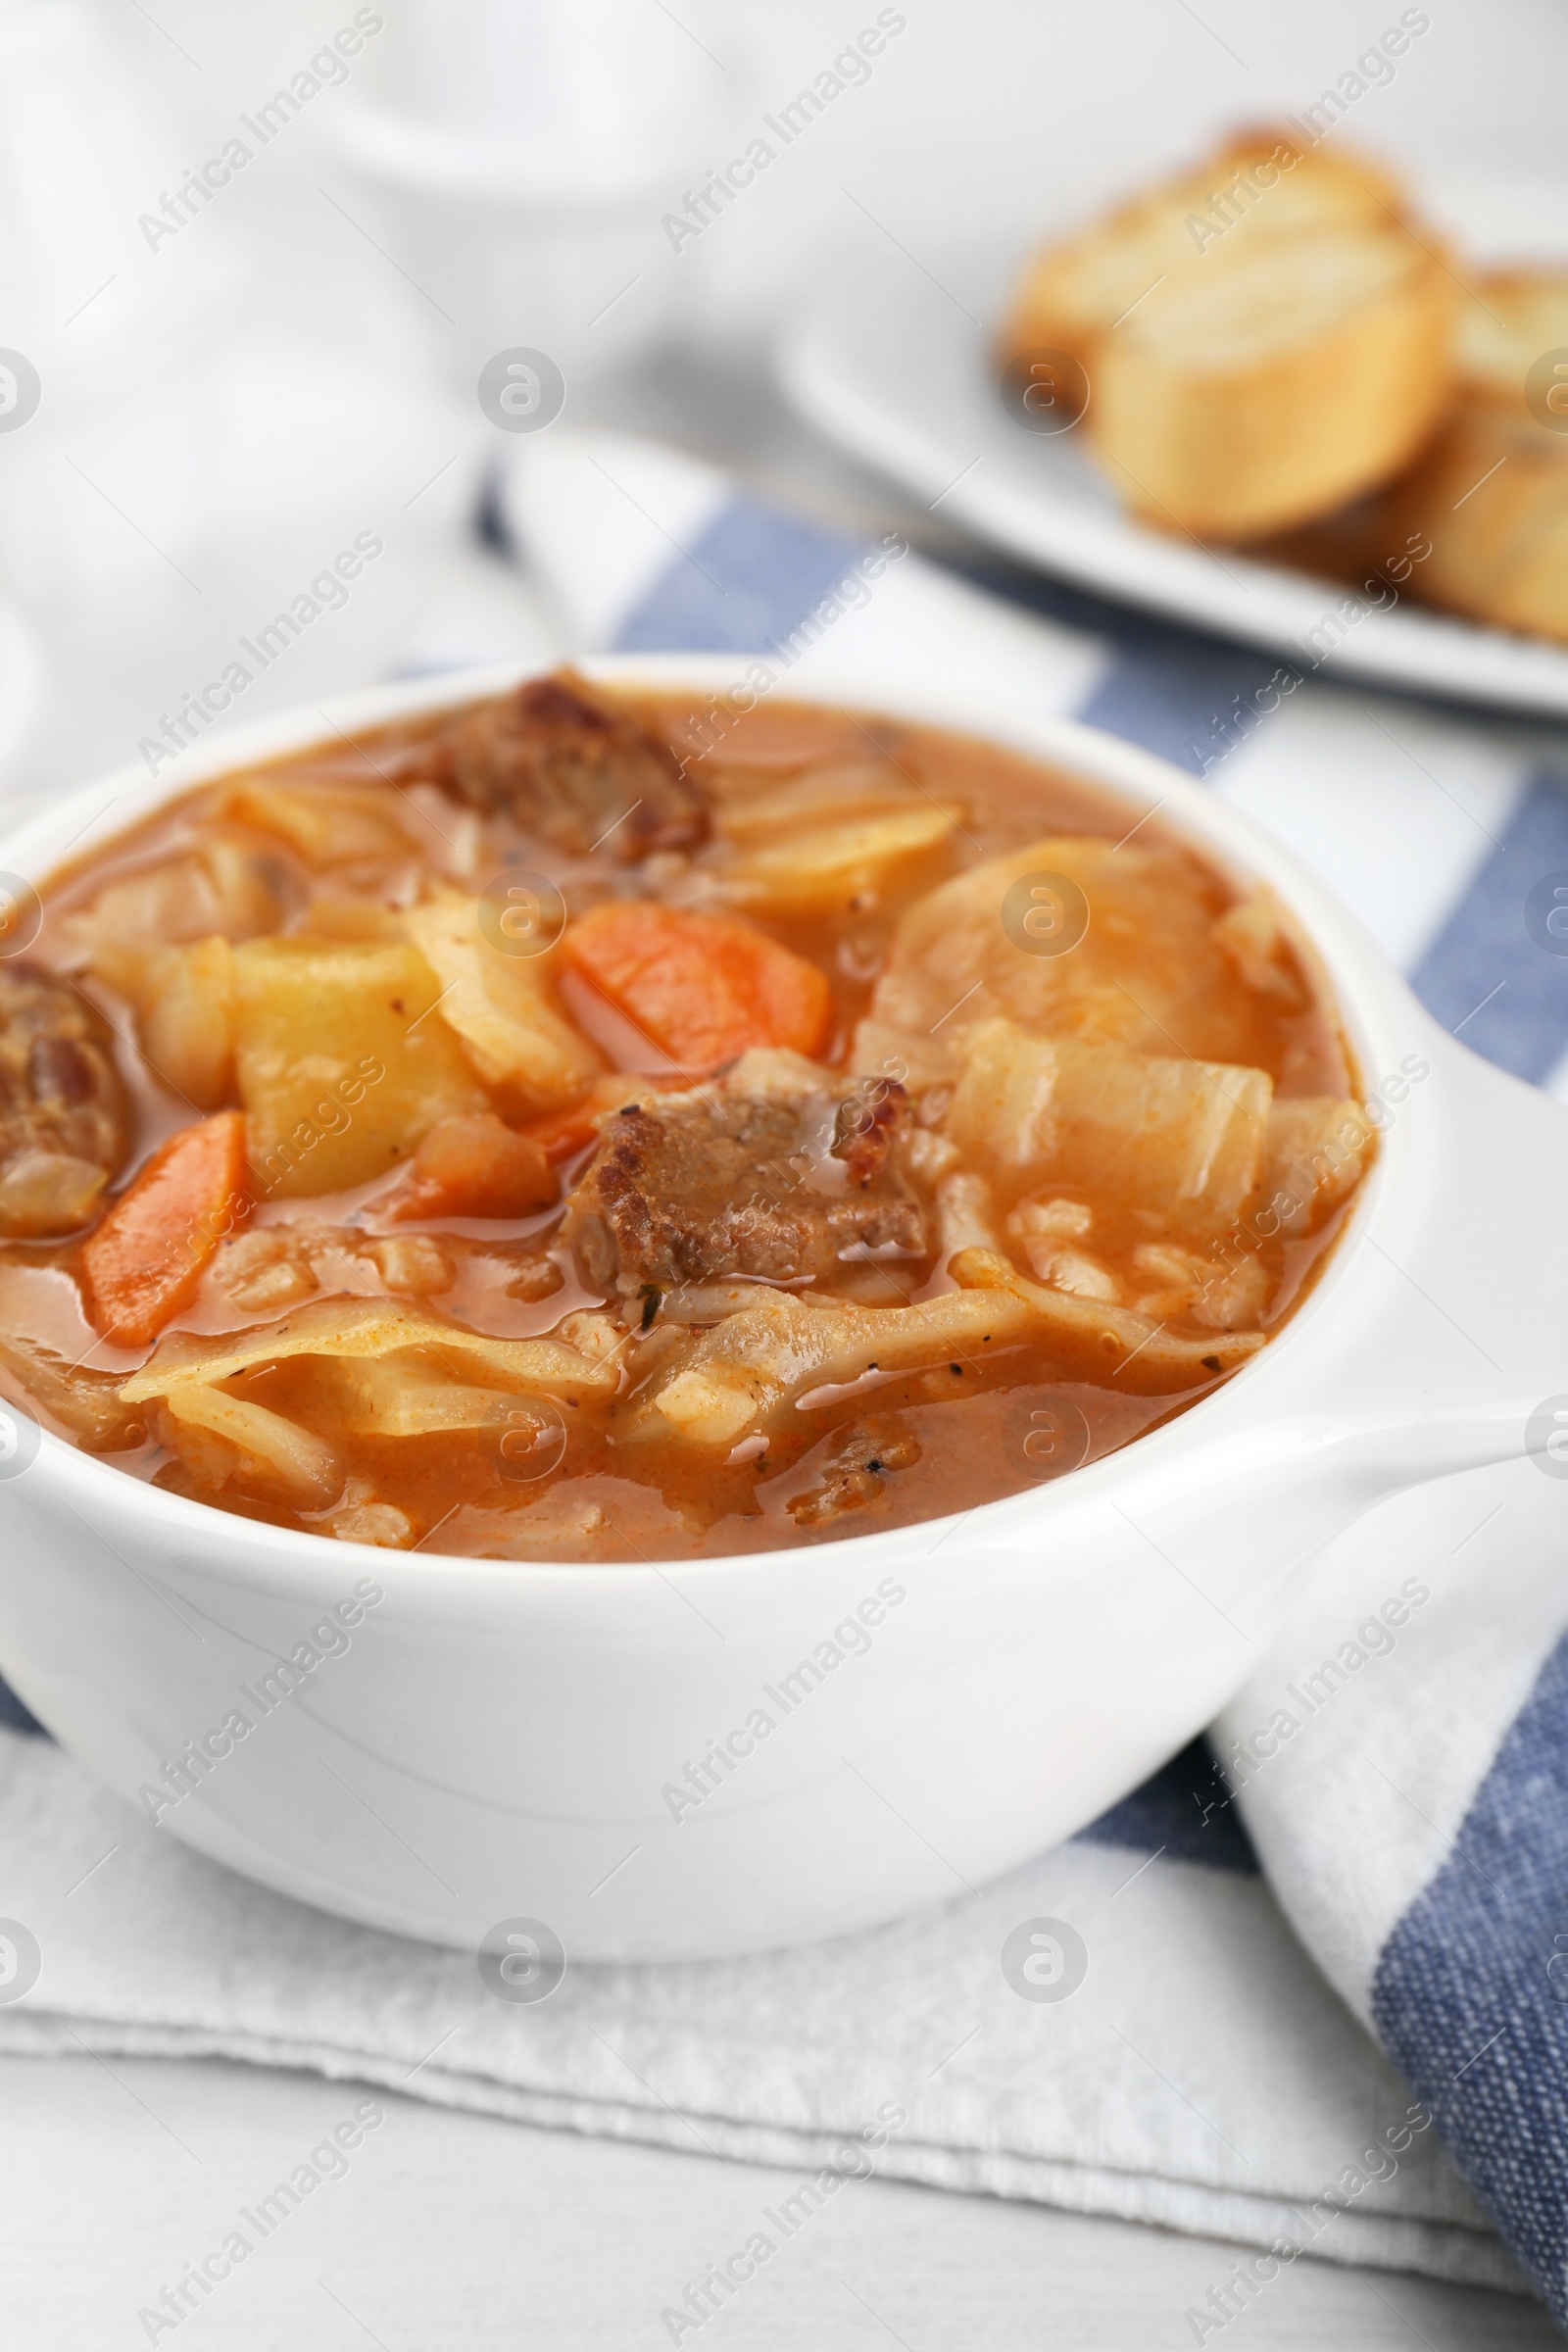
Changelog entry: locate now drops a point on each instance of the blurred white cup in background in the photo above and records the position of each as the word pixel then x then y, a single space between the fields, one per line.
pixel 522 155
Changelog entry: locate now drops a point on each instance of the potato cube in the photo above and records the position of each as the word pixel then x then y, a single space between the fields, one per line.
pixel 341 1061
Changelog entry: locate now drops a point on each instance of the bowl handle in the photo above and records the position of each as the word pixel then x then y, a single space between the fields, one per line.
pixel 1313 1477
pixel 1463 1270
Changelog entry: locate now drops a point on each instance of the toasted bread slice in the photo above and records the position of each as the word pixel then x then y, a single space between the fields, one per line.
pixel 1512 319
pixel 1246 379
pixel 1261 184
pixel 1492 493
pixel 1281 388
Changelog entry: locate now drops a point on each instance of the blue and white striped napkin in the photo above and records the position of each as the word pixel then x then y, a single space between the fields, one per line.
pixel 1355 2050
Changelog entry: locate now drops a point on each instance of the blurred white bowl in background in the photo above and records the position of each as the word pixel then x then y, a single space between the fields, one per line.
pixel 521 159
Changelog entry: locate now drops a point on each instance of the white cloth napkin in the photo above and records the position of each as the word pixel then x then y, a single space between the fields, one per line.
pixel 1203 2075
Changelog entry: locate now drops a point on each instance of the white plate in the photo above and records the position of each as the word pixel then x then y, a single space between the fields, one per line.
pixel 892 364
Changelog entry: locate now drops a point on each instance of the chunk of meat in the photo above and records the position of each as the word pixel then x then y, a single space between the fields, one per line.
pixel 563 1134
pixel 64 1124
pixel 854 1470
pixel 568 764
pixel 866 1128
pixel 787 1183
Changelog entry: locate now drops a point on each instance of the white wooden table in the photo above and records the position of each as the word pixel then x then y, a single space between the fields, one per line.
pixel 456 2233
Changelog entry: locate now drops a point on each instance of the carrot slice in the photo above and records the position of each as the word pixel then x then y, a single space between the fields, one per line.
pixel 703 987
pixel 470 1164
pixel 141 1265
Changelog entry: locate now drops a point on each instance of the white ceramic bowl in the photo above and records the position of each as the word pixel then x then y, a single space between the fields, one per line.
pixel 495 1741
